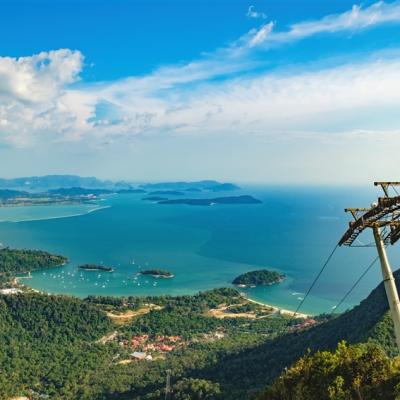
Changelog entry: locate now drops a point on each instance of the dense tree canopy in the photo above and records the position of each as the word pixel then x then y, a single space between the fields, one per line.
pixel 351 372
pixel 54 346
pixel 17 261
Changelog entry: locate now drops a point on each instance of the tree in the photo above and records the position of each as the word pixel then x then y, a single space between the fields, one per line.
pixel 196 389
pixel 360 372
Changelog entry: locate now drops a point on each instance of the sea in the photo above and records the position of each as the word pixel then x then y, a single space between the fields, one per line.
pixel 293 231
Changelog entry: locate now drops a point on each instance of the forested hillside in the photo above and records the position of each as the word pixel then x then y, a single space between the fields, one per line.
pixel 360 371
pixel 215 343
pixel 14 261
pixel 47 344
pixel 367 321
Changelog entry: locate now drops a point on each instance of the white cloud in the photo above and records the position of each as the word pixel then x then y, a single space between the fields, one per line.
pixel 329 100
pixel 38 101
pixel 356 19
pixel 261 35
pixel 326 101
pixel 252 13
pixel 34 99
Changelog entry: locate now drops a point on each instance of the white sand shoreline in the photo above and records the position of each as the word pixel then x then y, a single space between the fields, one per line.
pixel 58 216
pixel 280 310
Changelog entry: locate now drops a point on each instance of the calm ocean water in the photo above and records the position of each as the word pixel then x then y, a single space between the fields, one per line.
pixel 292 231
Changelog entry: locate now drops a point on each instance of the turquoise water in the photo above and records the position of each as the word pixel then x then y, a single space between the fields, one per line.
pixel 293 231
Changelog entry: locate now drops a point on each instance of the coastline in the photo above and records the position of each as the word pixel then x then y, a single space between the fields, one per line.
pixel 276 309
pixel 58 216
pixel 280 310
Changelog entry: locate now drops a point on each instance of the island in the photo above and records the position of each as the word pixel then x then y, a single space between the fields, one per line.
pixel 95 267
pixel 166 193
pixel 154 198
pixel 257 278
pixel 224 187
pixel 157 273
pixel 130 191
pixel 245 199
pixel 209 185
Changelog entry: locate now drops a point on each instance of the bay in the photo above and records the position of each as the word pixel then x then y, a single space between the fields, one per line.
pixel 292 231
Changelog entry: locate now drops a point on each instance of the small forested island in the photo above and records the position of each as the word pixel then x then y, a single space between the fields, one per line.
pixel 260 277
pixel 95 267
pixel 157 273
pixel 245 199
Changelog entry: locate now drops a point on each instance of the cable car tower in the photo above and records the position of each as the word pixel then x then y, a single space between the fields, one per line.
pixel 383 218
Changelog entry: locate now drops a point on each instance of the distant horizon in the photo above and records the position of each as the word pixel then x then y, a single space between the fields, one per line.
pixel 139 181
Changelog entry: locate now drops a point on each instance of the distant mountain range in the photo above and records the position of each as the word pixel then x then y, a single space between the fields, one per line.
pixel 49 182
pixel 55 182
pixel 218 200
pixel 211 185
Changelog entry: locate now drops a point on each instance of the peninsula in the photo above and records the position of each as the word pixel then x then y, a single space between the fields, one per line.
pixel 257 278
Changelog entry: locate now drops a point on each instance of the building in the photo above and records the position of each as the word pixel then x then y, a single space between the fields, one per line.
pixel 139 355
pixel 10 291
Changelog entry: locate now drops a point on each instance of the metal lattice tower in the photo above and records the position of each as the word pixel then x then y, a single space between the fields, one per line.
pixel 168 385
pixel 381 216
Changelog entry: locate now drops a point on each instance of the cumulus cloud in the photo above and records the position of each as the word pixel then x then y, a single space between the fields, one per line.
pixel 41 101
pixel 34 99
pixel 253 13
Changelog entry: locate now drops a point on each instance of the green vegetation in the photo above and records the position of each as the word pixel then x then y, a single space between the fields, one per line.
pixel 21 261
pixel 67 348
pixel 355 372
pixel 50 344
pixel 95 267
pixel 244 308
pixel 158 273
pixel 191 389
pixel 260 277
pixel 47 344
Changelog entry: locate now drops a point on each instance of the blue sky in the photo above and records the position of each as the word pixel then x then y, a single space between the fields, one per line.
pixel 251 91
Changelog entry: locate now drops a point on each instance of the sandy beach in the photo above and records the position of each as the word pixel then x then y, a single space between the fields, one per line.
pixel 279 310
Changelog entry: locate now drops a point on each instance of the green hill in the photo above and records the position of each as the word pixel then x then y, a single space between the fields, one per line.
pixel 47 344
pixel 50 344
pixel 361 371
pixel 369 321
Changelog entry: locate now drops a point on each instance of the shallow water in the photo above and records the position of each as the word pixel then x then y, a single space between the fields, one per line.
pixel 293 231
